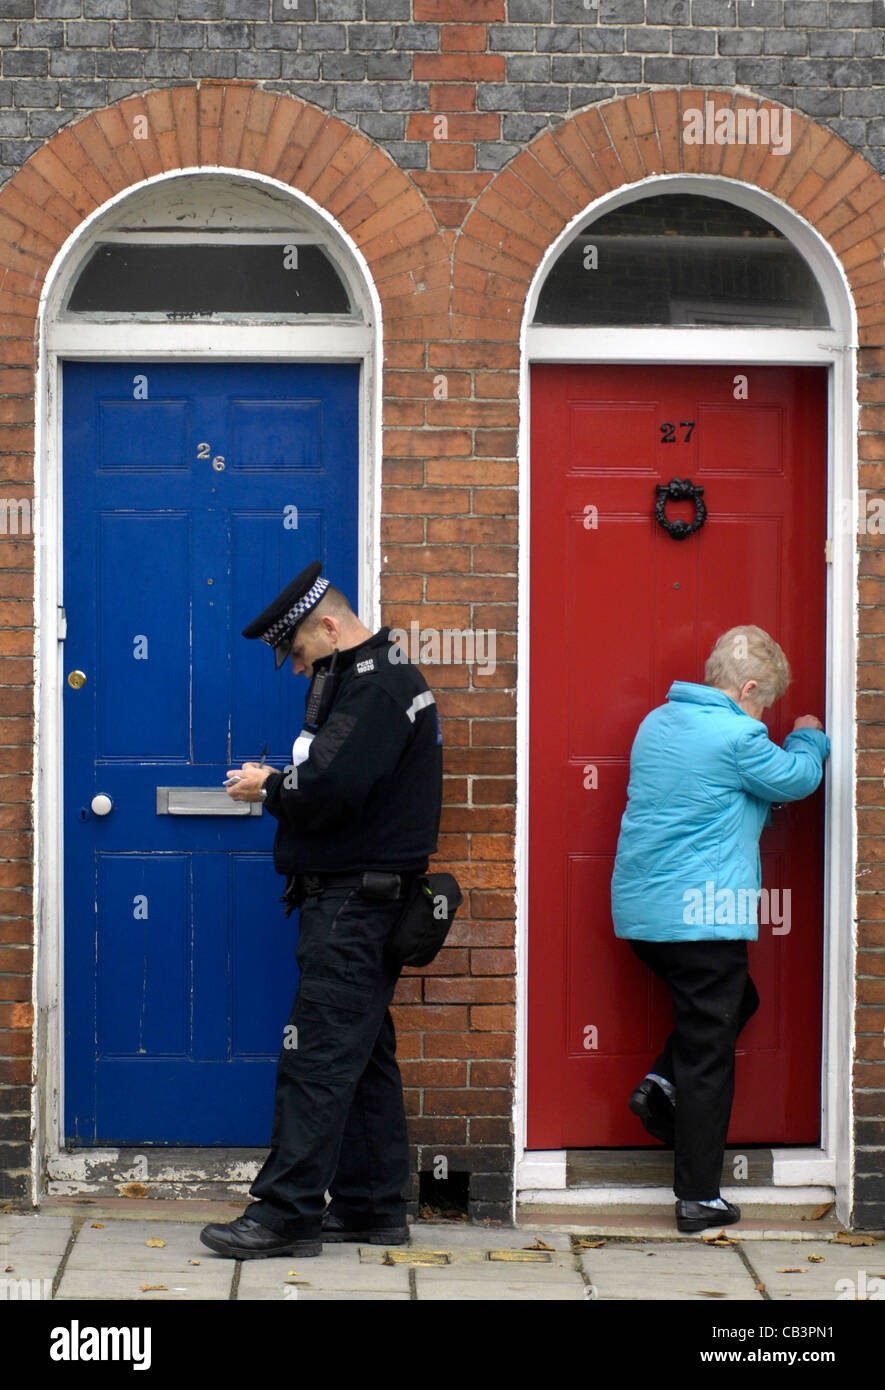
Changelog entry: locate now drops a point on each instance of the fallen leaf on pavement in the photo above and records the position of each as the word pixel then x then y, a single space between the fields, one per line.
pixel 539 1244
pixel 792 1271
pixel 848 1238
pixel 815 1259
pixel 193 1262
pixel 97 1225
pixel 150 1288
pixel 155 1243
pixel 720 1239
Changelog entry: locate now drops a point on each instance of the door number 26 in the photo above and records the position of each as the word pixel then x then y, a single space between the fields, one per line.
pixel 204 451
pixel 668 431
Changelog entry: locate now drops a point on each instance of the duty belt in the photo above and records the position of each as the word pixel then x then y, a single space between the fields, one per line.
pixel 318 883
pixel 373 883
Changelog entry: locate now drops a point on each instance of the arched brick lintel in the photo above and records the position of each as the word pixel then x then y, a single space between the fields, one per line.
pixel 233 125
pixel 529 203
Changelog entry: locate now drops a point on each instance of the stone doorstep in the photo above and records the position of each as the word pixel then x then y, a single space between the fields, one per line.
pixel 201 1209
pixel 626 1222
pixel 653 1167
pixel 759 1221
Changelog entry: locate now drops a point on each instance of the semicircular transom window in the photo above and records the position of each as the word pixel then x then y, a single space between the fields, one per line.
pixel 195 280
pixel 678 258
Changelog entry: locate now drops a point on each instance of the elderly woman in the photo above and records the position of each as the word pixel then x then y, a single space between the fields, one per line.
pixel 703 775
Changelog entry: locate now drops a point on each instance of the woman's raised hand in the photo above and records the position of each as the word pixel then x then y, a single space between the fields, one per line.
pixel 807 721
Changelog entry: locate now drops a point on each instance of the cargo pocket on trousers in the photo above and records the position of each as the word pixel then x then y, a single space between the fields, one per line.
pixel 334 995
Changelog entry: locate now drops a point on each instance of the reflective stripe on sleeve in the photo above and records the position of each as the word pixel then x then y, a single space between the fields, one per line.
pixel 420 702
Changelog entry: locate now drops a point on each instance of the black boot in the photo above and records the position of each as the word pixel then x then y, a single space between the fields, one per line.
pixel 246 1239
pixel 366 1232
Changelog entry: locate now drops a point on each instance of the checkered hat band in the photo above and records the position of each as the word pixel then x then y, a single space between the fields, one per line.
pixel 282 625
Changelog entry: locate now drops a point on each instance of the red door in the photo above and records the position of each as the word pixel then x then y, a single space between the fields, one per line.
pixel 619 610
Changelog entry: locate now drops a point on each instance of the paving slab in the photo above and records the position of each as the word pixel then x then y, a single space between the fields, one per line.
pixel 675 1289
pixel 429 1285
pixel 442 1235
pixel 339 1296
pixel 124 1245
pixel 483 1279
pixel 827 1271
pixel 36 1234
pixel 22 1284
pixel 136 1284
pixel 41 1268
pixel 290 1277
pixel 668 1270
pixel 31 1250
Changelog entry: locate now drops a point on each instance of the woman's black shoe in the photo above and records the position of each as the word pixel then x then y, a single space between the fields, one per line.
pixel 696 1216
pixel 655 1111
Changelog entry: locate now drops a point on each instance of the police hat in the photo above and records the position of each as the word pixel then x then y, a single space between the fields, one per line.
pixel 279 622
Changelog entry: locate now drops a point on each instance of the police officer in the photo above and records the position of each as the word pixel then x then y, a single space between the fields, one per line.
pixel 358 816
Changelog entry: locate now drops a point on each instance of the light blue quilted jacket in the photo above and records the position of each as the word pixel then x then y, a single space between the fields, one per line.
pixel 703 775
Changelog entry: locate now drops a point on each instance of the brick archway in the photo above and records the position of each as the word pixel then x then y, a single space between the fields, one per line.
pixel 620 142
pixel 234 125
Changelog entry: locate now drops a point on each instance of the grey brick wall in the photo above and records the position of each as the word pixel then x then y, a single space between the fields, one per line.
pixel 62 58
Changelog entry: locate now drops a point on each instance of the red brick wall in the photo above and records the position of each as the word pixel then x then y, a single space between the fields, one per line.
pixel 452 252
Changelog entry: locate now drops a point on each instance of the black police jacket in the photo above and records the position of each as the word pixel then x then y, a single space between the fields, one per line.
pixel 369 794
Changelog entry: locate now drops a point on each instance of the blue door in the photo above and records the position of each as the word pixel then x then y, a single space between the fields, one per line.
pixel 192 495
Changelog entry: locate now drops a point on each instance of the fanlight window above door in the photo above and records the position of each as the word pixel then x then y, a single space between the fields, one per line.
pixel 679 258
pixel 172 279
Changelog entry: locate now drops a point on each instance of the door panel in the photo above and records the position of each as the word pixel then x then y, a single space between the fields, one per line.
pixel 621 610
pixel 192 495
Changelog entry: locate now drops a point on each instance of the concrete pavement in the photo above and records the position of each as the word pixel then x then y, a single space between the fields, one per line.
pixel 146 1251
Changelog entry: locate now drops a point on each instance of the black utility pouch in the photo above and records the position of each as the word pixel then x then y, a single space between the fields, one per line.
pixel 379 886
pixel 426 919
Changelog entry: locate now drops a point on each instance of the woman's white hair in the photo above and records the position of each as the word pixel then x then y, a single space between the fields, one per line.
pixel 748 654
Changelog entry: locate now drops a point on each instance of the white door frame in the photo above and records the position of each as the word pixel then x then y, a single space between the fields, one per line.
pixel 313 340
pixel 799 1174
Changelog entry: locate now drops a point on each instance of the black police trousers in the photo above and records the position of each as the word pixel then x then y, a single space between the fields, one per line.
pixel 713 997
pixel 339 1121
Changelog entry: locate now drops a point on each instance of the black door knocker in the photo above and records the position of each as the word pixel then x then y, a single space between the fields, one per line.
pixel 678 490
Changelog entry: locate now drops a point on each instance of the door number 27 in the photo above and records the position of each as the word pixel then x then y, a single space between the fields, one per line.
pixel 668 431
